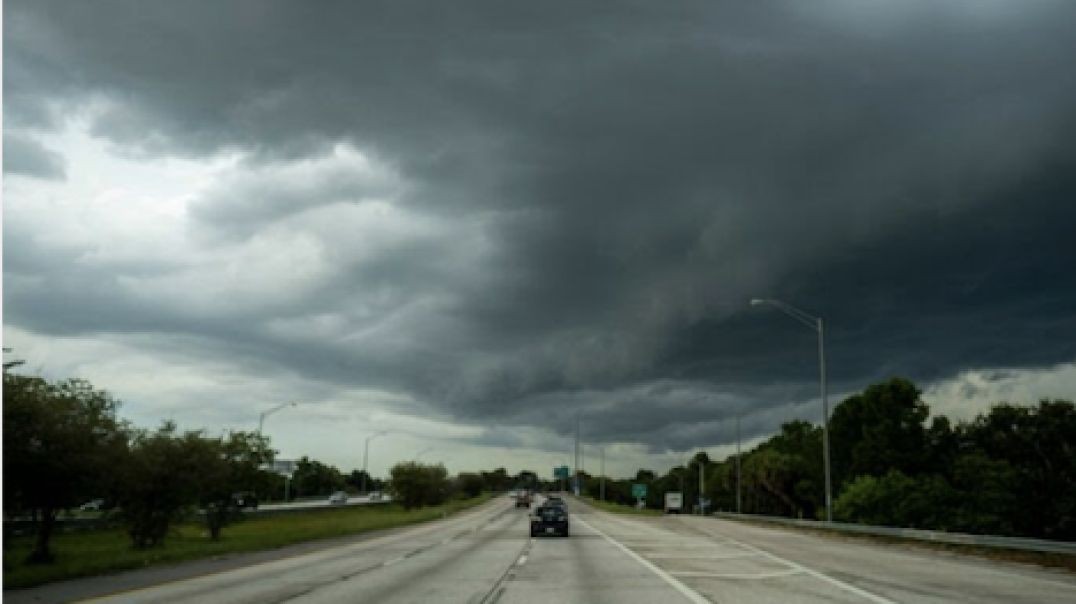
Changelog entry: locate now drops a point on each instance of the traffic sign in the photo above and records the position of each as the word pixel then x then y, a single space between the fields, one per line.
pixel 562 472
pixel 638 491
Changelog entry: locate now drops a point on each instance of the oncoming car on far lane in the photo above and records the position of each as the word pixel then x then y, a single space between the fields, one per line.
pixel 550 518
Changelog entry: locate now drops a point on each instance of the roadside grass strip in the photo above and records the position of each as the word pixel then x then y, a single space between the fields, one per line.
pixel 107 551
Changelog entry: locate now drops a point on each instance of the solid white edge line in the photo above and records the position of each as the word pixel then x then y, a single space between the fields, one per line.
pixel 686 591
pixel 817 575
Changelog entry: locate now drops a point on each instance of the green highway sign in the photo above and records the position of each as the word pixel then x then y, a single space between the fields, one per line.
pixel 638 491
pixel 561 472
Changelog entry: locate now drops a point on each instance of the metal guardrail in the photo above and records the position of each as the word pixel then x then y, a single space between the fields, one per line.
pixel 67 524
pixel 994 541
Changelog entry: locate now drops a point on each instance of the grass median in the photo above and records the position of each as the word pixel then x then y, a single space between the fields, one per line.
pixel 617 508
pixel 107 551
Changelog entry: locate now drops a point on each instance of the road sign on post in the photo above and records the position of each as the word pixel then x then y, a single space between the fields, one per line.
pixel 562 472
pixel 638 491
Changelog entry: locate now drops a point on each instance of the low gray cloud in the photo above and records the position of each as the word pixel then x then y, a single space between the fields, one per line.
pixel 565 208
pixel 25 156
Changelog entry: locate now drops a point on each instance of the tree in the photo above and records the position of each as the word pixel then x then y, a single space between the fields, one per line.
pixel 1039 444
pixel 61 444
pixel 878 431
pixel 896 499
pixel 355 480
pixel 230 465
pixel 416 485
pixel 469 484
pixel 312 477
pixel 161 479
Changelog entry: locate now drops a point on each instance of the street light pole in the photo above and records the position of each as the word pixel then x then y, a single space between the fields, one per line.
pixel 702 486
pixel 265 414
pixel 738 475
pixel 816 324
pixel 602 487
pixel 366 457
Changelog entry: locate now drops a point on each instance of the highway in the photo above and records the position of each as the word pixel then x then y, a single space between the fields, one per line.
pixel 320 502
pixel 487 555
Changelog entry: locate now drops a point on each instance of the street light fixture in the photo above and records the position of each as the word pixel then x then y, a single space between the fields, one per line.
pixel 265 414
pixel 366 457
pixel 816 324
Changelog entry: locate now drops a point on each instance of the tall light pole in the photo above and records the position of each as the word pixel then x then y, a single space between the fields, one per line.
pixel 265 414
pixel 702 486
pixel 602 487
pixel 738 475
pixel 423 452
pixel 576 481
pixel 366 457
pixel 816 324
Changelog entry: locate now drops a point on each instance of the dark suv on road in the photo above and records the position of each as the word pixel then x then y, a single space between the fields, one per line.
pixel 550 518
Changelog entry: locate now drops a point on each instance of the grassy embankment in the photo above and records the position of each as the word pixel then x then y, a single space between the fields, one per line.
pixel 620 509
pixel 106 551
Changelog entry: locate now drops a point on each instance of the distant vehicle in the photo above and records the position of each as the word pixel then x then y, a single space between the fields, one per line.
pixel 94 505
pixel 338 498
pixel 245 500
pixel 674 502
pixel 523 500
pixel 550 519
pixel 555 500
pixel 375 496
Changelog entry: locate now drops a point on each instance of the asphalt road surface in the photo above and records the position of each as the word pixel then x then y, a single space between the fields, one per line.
pixel 487 555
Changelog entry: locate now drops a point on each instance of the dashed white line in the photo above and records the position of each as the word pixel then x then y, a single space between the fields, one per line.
pixel 522 560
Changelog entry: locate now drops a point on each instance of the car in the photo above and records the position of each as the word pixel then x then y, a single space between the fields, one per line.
pixel 375 496
pixel 94 505
pixel 523 500
pixel 338 498
pixel 245 500
pixel 550 519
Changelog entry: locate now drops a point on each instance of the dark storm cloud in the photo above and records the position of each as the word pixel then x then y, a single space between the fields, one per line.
pixel 636 172
pixel 26 156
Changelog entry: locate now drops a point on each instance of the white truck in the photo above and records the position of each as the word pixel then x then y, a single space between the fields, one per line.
pixel 674 502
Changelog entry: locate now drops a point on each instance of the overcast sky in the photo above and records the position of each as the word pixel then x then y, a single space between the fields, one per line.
pixel 465 223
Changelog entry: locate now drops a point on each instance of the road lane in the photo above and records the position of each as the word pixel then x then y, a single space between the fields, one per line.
pixel 733 562
pixel 485 556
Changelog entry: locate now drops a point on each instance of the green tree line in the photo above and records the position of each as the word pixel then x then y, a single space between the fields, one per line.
pixel 1010 471
pixel 65 445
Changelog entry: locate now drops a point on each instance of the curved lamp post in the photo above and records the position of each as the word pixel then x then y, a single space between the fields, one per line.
pixel 816 324
pixel 265 414
pixel 366 456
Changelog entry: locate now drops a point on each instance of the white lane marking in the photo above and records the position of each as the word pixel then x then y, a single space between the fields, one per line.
pixel 522 560
pixel 686 591
pixel 817 575
pixel 675 544
pixel 391 562
pixel 702 574
pixel 703 556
